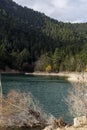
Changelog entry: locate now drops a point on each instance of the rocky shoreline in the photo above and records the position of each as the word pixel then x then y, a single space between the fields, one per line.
pixel 80 123
pixel 70 76
pixel 21 128
pixel 63 128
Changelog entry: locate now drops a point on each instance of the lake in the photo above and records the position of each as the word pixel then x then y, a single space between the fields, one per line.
pixel 49 90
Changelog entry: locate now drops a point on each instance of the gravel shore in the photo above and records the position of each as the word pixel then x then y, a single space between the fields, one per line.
pixel 71 76
pixel 72 128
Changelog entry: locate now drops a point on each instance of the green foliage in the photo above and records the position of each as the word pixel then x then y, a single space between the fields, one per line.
pixel 26 36
pixel 43 62
pixel 22 57
pixel 56 59
pixel 5 58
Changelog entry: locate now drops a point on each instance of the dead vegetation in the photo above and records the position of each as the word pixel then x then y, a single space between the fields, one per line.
pixel 20 109
pixel 77 98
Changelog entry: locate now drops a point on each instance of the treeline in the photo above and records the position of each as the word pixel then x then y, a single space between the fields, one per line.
pixel 31 41
pixel 62 61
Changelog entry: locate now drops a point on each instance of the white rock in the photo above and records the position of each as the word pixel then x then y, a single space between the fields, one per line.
pixel 79 121
pixel 50 127
pixel 59 129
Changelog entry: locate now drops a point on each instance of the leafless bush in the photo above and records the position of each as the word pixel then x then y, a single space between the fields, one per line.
pixel 21 108
pixel 77 98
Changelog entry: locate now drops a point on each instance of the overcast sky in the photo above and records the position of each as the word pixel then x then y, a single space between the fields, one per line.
pixel 62 10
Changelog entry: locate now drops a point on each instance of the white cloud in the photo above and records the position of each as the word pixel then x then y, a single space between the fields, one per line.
pixel 59 3
pixel 42 6
pixel 63 10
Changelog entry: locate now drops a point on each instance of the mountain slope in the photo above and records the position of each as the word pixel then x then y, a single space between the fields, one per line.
pixel 25 35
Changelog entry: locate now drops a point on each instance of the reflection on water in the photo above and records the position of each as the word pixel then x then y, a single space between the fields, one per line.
pixel 49 90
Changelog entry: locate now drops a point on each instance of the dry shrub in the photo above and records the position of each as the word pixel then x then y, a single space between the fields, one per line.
pixel 77 98
pixel 21 108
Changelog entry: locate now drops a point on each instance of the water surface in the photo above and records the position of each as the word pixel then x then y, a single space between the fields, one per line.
pixel 49 90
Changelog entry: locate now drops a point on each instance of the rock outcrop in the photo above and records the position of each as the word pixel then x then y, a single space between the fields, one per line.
pixel 80 123
pixel 55 123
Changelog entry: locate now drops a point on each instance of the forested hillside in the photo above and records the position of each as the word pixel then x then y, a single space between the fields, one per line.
pixel 30 40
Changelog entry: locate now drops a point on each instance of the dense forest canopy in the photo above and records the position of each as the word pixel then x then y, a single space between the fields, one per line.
pixel 29 40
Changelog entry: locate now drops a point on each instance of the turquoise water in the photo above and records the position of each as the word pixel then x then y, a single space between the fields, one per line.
pixel 49 90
